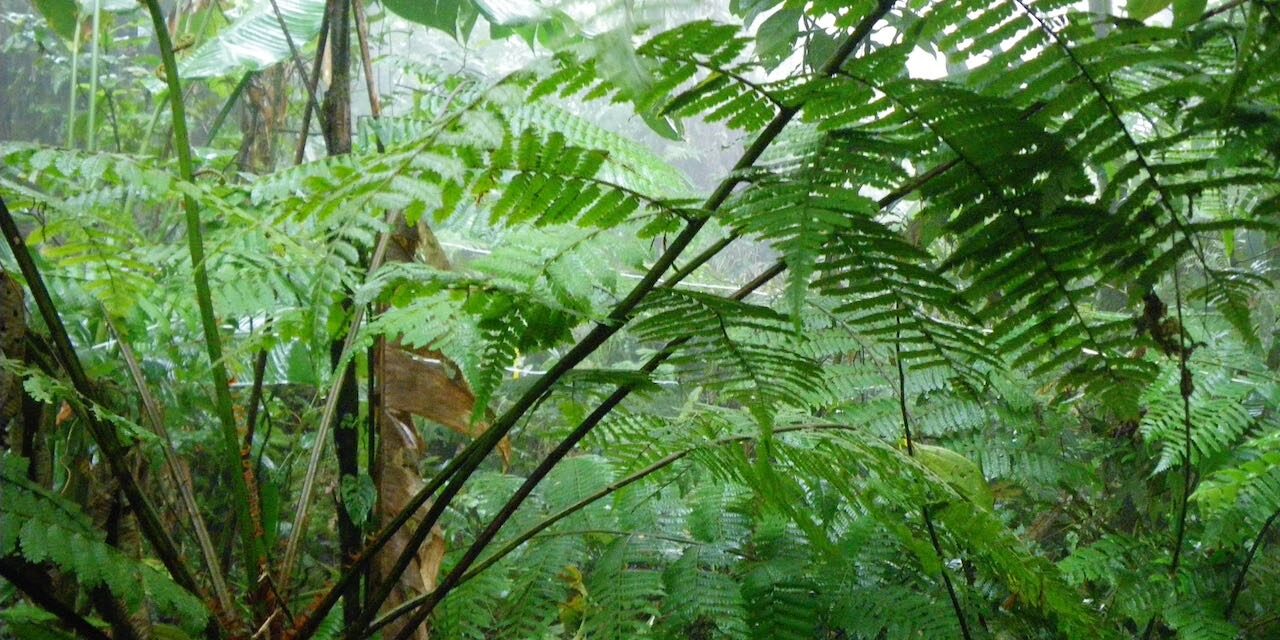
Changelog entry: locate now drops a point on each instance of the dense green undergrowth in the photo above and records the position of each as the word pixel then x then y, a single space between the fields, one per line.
pixel 973 337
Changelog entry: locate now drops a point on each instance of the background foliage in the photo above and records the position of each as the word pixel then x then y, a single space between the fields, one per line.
pixel 788 319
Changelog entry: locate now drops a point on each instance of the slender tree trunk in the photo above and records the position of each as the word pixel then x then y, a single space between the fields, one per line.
pixel 346 437
pixel 265 108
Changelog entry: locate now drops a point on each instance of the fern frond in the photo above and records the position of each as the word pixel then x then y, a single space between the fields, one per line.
pixel 42 527
pixel 702 598
pixel 677 58
pixel 1219 416
pixel 553 182
pixel 740 349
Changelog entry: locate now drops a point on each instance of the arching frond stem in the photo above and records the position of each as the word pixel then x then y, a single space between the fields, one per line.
pixel 1185 388
pixel 604 492
pixel 924 509
pixel 20 574
pixel 618 317
pixel 1244 569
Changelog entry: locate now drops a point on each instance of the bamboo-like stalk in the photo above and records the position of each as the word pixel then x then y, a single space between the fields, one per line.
pixel 73 89
pixel 181 478
pixel 91 136
pixel 251 550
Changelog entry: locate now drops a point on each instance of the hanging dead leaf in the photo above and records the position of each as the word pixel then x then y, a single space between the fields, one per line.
pixel 64 413
pixel 426 384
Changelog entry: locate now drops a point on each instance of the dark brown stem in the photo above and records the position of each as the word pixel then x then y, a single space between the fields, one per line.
pixel 32 582
pixel 255 398
pixel 924 509
pixel 346 434
pixel 1185 387
pixel 297 58
pixel 312 84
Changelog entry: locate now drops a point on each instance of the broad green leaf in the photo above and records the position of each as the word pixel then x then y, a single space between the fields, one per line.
pixel 958 470
pixel 1186 12
pixel 552 29
pixel 454 17
pixel 821 46
pixel 509 13
pixel 777 35
pixel 120 6
pixel 750 9
pixel 1143 9
pixel 60 14
pixel 254 40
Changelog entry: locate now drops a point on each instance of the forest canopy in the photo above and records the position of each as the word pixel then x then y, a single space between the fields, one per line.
pixel 608 319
